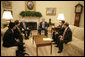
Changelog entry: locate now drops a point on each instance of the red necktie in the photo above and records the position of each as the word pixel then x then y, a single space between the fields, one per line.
pixel 64 33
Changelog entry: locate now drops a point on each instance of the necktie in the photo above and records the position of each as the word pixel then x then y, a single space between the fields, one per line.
pixel 43 25
pixel 12 31
pixel 24 25
pixel 64 33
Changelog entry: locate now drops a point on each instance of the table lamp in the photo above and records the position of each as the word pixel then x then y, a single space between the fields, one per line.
pixel 60 17
pixel 7 15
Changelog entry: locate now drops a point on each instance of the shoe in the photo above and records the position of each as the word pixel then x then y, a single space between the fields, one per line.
pixel 54 43
pixel 23 43
pixel 59 51
pixel 25 54
pixel 24 47
pixel 56 46
pixel 21 50
pixel 25 38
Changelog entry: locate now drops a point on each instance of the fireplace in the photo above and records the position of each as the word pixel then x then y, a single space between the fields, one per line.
pixel 32 22
pixel 32 25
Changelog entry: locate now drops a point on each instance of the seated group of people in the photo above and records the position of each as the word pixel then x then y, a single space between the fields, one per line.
pixel 62 34
pixel 13 36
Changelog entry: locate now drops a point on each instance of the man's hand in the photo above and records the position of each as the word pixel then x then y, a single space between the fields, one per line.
pixel 27 27
pixel 17 40
pixel 56 33
pixel 22 29
pixel 60 37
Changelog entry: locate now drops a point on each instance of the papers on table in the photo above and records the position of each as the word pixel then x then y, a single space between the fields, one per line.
pixel 47 39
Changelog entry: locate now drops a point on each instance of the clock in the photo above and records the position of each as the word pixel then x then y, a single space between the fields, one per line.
pixel 78 11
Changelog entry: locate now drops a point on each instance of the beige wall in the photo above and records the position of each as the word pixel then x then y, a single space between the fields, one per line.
pixel 18 6
pixel 66 7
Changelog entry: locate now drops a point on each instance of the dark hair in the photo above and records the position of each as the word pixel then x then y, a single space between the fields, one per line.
pixel 16 22
pixel 63 21
pixel 67 24
pixel 11 25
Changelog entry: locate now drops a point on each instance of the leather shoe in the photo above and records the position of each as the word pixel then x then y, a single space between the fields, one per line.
pixel 25 54
pixel 59 51
pixel 54 43
pixel 56 46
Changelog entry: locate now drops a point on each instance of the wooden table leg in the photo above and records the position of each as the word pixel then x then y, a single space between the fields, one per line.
pixel 37 51
pixel 51 48
pixel 33 39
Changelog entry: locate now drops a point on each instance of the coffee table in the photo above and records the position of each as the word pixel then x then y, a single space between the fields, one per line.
pixel 38 39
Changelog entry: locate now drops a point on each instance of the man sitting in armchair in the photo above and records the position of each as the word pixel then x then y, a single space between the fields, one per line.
pixel 24 29
pixel 43 26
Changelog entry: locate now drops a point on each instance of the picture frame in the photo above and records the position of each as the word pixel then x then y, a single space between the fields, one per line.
pixel 7 4
pixel 51 11
pixel 30 5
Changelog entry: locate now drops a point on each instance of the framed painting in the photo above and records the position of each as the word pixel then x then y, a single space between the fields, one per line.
pixel 51 11
pixel 30 5
pixel 7 4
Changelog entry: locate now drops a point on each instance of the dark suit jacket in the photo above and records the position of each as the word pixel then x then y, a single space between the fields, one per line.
pixel 46 25
pixel 61 30
pixel 21 26
pixel 9 39
pixel 18 34
pixel 68 35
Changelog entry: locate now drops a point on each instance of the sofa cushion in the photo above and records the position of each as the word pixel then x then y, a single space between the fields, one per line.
pixel 3 32
pixel 72 28
pixel 8 51
pixel 78 43
pixel 79 33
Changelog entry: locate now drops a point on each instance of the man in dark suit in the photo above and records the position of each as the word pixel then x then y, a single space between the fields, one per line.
pixel 58 31
pixel 9 39
pixel 24 29
pixel 43 26
pixel 65 38
pixel 17 31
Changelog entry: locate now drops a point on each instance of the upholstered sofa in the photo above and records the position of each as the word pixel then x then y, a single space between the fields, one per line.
pixel 73 48
pixel 76 46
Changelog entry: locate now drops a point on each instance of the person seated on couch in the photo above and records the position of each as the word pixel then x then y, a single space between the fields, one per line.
pixel 65 38
pixel 17 31
pixel 18 35
pixel 9 39
pixel 24 28
pixel 60 32
pixel 43 26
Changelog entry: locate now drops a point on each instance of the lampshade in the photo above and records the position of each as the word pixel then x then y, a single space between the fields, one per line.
pixel 60 16
pixel 7 15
